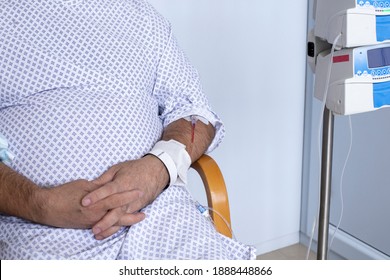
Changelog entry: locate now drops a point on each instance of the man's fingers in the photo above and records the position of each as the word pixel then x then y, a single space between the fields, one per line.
pixel 105 177
pixel 109 220
pixel 119 217
pixel 107 233
pixel 116 200
pixel 101 230
pixel 132 219
pixel 101 193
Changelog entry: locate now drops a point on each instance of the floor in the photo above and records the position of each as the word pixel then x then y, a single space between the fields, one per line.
pixel 293 252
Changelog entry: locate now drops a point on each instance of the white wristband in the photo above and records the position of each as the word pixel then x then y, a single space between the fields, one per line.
pixel 6 156
pixel 175 158
pixel 168 162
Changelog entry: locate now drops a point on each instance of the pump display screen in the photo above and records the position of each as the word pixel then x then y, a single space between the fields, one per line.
pixel 379 57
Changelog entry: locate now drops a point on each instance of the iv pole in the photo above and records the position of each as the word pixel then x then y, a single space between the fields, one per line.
pixel 326 177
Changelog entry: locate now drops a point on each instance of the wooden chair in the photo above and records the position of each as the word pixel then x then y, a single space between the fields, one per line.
pixel 217 196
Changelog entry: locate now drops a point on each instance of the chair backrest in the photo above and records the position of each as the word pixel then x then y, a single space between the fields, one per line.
pixel 216 191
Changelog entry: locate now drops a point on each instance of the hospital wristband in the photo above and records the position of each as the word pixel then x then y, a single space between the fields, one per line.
pixel 177 161
pixel 168 162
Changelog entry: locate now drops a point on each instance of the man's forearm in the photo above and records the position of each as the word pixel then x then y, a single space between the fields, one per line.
pixel 197 138
pixel 59 206
pixel 17 195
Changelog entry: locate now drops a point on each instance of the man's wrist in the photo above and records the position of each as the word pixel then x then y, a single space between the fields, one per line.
pixel 176 159
pixel 38 204
pixel 162 175
pixel 168 163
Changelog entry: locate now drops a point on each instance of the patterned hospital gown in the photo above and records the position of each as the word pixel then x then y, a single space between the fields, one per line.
pixel 85 85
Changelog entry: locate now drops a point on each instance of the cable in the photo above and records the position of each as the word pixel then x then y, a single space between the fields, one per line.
pixel 323 104
pixel 204 211
pixel 341 182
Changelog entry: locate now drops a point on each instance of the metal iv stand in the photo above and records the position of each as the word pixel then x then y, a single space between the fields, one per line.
pixel 326 178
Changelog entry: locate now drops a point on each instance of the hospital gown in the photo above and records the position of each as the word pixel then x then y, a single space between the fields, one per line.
pixel 85 85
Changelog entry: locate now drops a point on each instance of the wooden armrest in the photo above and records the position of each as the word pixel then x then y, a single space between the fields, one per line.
pixel 217 196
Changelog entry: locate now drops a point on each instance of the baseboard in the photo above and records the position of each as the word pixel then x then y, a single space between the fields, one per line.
pixel 345 246
pixel 277 243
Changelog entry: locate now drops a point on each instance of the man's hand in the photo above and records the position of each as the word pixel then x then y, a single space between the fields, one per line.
pixel 126 188
pixel 61 205
pixel 56 206
pixel 107 203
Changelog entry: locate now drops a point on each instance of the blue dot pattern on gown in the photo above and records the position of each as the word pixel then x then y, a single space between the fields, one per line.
pixel 85 85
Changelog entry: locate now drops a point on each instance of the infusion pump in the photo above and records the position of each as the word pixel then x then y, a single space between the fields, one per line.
pixel 361 22
pixel 359 79
pixel 349 51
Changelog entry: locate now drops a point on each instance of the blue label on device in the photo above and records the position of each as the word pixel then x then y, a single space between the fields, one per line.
pixel 382 28
pixel 381 94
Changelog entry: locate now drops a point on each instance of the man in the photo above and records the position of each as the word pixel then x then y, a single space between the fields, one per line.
pixel 104 114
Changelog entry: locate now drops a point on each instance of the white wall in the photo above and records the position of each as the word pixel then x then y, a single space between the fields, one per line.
pixel 251 58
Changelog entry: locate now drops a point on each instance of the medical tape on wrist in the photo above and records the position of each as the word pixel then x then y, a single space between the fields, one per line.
pixel 6 156
pixel 195 118
pixel 175 158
